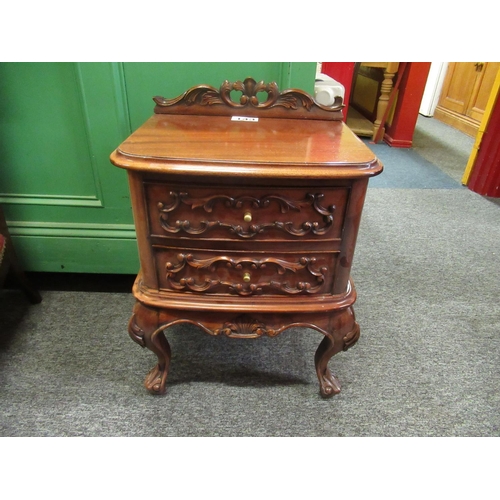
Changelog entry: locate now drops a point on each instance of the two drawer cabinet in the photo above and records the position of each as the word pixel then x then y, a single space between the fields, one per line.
pixel 246 214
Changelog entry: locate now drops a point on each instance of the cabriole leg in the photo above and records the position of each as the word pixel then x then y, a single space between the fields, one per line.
pixel 144 329
pixel 344 333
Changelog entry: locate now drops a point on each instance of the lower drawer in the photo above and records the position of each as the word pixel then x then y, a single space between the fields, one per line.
pixel 244 274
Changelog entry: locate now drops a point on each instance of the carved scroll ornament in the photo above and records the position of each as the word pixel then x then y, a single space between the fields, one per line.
pixel 281 267
pixel 205 99
pixel 200 227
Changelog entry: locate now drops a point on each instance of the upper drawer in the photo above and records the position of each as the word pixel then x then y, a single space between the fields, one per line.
pixel 245 214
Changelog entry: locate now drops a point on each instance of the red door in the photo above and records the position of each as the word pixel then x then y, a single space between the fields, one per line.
pixel 485 176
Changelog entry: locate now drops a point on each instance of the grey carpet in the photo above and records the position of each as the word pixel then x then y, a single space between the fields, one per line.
pixel 442 145
pixel 426 364
pixel 437 158
pixel 406 169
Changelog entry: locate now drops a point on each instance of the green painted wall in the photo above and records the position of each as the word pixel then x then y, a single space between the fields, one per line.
pixel 67 207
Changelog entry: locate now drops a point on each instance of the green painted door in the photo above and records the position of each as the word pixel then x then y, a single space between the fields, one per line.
pixel 67 207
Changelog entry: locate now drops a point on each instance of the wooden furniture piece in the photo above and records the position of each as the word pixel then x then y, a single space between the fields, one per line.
pixel 399 133
pixel 371 98
pixel 10 262
pixel 247 212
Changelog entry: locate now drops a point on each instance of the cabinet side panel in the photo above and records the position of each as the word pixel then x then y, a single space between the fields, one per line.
pixel 142 229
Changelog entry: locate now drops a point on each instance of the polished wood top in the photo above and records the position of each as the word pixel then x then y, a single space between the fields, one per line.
pixel 267 147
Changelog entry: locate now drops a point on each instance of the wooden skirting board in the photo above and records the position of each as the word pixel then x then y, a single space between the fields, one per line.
pixel 463 123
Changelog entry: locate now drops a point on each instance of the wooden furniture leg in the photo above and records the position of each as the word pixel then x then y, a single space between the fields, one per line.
pixel 328 383
pixel 343 333
pixel 385 91
pixel 147 325
pixel 144 328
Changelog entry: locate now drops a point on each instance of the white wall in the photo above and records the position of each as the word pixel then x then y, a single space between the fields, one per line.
pixel 433 88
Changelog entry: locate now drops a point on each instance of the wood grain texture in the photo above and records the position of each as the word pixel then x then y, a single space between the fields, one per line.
pixel 269 147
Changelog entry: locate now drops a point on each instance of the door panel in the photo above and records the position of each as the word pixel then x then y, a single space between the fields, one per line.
pixel 465 93
pixel 67 207
pixel 482 93
pixel 457 87
pixel 45 149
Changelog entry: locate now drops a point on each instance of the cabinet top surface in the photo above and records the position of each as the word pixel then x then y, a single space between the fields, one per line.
pixel 165 143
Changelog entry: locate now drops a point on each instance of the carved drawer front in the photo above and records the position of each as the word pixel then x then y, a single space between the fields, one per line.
pixel 246 214
pixel 239 273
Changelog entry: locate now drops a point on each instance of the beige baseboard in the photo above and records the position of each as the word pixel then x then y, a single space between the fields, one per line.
pixel 463 123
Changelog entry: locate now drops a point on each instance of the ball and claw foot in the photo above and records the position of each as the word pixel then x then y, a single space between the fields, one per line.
pixel 144 329
pixel 328 384
pixel 156 380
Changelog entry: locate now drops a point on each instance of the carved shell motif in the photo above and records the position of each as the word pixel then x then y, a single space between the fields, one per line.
pixel 245 327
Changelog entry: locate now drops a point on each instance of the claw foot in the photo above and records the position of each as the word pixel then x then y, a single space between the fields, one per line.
pixel 328 385
pixel 156 380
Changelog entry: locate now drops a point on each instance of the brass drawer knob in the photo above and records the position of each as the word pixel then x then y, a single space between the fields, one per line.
pixel 246 277
pixel 247 217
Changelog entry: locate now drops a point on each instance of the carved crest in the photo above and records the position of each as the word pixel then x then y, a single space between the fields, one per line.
pixel 207 100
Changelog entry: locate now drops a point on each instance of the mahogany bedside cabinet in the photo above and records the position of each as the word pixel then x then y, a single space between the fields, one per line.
pixel 247 203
